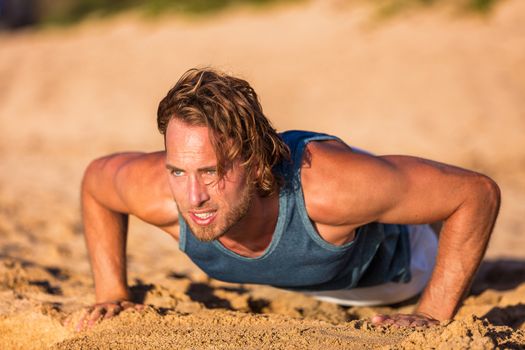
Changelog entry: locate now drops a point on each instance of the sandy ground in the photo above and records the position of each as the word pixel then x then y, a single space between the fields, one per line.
pixel 430 84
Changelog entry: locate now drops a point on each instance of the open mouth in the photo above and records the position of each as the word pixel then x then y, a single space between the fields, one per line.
pixel 203 218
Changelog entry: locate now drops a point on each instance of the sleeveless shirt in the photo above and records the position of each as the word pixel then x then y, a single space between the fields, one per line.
pixel 298 258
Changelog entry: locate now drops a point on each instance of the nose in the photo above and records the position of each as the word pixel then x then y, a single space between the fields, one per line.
pixel 198 192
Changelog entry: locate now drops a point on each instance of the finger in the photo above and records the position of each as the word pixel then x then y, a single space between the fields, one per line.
pixel 379 319
pixel 419 323
pixel 68 320
pixel 130 305
pixel 112 311
pixel 139 307
pixel 83 318
pixel 432 322
pixel 96 315
pixel 127 304
pixel 425 321
pixel 385 321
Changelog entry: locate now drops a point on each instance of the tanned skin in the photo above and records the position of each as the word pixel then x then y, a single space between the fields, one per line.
pixel 388 189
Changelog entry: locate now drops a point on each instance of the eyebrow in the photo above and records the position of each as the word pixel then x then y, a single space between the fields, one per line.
pixel 206 168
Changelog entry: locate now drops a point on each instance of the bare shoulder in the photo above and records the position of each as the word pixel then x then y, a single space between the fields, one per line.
pixel 340 184
pixel 328 172
pixel 135 183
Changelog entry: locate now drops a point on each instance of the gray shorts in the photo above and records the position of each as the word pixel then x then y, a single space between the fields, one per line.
pixel 423 248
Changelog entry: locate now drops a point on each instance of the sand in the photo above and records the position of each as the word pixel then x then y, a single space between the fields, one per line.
pixel 427 83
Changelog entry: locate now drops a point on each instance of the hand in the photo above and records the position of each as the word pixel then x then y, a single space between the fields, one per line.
pixel 405 320
pixel 102 311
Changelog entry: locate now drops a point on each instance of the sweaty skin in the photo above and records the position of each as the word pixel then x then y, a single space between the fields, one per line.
pixel 389 189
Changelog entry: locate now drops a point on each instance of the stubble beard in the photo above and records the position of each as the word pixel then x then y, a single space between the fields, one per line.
pixel 213 231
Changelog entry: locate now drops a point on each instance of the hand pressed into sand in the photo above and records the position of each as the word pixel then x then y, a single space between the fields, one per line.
pixel 102 311
pixel 405 320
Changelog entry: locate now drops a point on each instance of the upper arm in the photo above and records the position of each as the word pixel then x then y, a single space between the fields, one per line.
pixel 132 183
pixel 342 187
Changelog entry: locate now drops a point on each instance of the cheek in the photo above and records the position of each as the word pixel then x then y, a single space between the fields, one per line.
pixel 226 195
pixel 234 194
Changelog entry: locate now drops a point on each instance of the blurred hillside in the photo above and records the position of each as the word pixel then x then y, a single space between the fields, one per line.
pixel 20 13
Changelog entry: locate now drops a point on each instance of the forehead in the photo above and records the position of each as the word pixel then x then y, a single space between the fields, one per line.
pixel 182 138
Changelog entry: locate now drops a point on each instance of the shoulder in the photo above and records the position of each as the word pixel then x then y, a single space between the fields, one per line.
pixel 136 169
pixel 318 165
pixel 138 181
pixel 127 169
pixel 338 182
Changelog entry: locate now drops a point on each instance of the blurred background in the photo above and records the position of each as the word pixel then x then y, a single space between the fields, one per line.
pixel 79 79
pixel 20 13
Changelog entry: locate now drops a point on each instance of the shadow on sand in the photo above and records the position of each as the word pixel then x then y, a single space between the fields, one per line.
pixel 501 275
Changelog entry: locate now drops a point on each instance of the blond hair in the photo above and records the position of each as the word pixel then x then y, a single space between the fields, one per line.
pixel 229 107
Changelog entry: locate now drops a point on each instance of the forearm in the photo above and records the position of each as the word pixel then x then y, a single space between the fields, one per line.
pixel 462 244
pixel 105 233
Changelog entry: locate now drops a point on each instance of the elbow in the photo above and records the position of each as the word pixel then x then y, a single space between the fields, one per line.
pixel 91 173
pixel 489 193
pixel 87 178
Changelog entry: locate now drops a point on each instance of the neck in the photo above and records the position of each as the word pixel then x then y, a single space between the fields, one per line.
pixel 254 232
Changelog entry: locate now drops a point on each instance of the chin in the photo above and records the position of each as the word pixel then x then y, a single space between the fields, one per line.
pixel 204 236
pixel 208 238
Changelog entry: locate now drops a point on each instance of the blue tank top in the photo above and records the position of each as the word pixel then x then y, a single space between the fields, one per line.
pixel 297 258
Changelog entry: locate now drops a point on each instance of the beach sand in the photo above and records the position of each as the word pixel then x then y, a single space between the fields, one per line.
pixel 430 83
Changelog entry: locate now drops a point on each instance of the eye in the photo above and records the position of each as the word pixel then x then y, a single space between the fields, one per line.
pixel 209 176
pixel 176 172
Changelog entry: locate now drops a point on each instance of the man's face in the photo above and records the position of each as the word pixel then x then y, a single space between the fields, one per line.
pixel 210 206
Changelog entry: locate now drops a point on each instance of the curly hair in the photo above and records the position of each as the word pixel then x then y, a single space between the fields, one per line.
pixel 229 107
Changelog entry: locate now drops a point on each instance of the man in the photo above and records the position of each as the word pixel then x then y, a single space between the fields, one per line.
pixel 299 210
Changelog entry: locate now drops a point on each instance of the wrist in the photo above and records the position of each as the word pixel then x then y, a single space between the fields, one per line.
pixel 425 315
pixel 433 313
pixel 113 295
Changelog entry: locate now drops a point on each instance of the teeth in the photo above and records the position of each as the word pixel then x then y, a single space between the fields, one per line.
pixel 203 215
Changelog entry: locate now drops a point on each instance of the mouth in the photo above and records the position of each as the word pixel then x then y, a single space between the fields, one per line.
pixel 203 218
